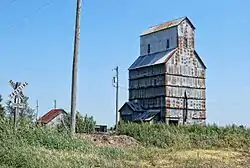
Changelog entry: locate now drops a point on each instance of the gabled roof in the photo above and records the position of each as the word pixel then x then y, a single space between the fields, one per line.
pixel 166 25
pixel 46 118
pixel 135 107
pixel 152 59
pixel 141 114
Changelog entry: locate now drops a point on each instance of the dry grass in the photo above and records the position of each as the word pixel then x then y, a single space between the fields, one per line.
pixel 153 157
pixel 35 147
pixel 111 140
pixel 195 158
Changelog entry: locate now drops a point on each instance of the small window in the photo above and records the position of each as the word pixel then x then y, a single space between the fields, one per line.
pixel 167 46
pixel 148 48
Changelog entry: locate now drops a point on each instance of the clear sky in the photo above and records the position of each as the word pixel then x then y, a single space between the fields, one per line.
pixel 36 45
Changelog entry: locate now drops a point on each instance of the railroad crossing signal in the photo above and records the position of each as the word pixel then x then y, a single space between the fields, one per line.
pixel 17 96
pixel 18 87
pixel 16 105
pixel 14 86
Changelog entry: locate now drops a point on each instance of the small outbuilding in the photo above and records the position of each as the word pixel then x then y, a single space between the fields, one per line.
pixel 53 117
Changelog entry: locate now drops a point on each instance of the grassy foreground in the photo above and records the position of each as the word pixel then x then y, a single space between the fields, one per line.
pixel 188 137
pixel 35 147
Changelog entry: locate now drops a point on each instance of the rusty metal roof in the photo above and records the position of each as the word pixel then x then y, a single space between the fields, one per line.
pixel 135 106
pixel 152 59
pixel 46 118
pixel 165 25
pixel 140 112
pixel 146 116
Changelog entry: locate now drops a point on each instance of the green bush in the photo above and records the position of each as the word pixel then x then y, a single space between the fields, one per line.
pixel 83 124
pixel 35 146
pixel 2 112
pixel 193 136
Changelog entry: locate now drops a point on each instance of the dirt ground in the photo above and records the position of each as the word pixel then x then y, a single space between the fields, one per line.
pixel 110 139
pixel 156 157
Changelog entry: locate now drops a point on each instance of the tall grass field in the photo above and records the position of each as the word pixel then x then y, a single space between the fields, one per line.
pixel 162 146
pixel 188 137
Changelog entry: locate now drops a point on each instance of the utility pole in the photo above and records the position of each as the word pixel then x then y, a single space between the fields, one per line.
pixel 75 68
pixel 37 106
pixel 116 85
pixel 16 101
pixel 54 104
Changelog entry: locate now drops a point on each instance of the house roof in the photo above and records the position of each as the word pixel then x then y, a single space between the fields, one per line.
pixel 152 59
pixel 46 118
pixel 166 25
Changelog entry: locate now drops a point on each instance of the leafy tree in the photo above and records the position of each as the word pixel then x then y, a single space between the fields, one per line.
pixel 83 124
pixel 88 125
pixel 26 112
pixel 9 110
pixel 2 113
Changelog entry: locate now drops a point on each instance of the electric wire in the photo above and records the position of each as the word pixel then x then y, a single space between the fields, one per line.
pixel 27 17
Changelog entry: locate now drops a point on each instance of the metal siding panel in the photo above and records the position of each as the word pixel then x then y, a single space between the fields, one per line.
pixel 192 93
pixel 174 113
pixel 158 41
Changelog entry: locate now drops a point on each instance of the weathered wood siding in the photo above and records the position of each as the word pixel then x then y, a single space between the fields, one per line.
pixel 147 85
pixel 126 113
pixel 184 72
pixel 57 120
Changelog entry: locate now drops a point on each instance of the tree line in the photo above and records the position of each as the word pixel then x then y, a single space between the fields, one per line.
pixel 7 111
pixel 84 124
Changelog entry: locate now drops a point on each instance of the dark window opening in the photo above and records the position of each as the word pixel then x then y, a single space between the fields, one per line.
pixel 155 82
pixel 148 48
pixel 173 122
pixel 167 43
pixel 186 42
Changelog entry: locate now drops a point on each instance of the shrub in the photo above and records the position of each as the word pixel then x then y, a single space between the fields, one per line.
pixel 83 124
pixel 193 136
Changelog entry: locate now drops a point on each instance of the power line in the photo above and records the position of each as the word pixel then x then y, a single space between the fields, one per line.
pixel 123 87
pixel 6 8
pixel 13 1
pixel 48 3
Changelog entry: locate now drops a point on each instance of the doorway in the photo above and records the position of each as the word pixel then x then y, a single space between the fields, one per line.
pixel 173 122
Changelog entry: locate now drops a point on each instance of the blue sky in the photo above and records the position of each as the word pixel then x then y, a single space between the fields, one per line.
pixel 36 45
